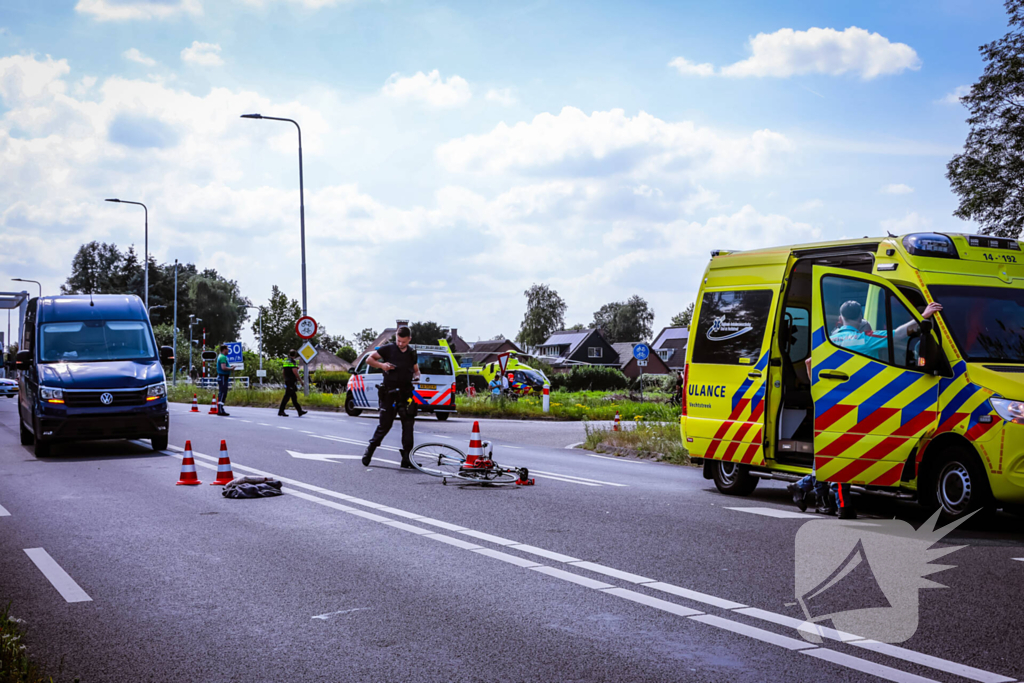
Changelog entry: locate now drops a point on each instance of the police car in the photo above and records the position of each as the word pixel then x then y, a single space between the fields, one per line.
pixel 433 393
pixel 8 387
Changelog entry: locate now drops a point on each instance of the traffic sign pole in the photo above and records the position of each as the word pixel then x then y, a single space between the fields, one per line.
pixel 305 326
pixel 641 352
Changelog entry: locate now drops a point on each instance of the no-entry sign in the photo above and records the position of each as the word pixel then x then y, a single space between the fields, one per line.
pixel 305 327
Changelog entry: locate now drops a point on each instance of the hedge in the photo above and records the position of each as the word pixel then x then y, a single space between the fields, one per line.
pixel 590 378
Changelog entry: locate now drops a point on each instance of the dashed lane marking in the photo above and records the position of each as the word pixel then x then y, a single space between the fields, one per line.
pixel 60 579
pixel 776 513
pixel 838 658
pixel 4 512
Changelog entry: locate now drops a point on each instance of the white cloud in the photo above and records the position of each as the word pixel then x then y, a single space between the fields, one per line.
pixel 204 54
pixel 133 55
pixel 309 4
pixel 912 222
pixel 827 51
pixel 504 96
pixel 429 89
pixel 607 143
pixel 896 188
pixel 123 10
pixel 958 92
pixel 23 78
pixel 688 68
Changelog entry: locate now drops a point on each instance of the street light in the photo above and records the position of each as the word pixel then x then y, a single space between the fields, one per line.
pixel 18 279
pixel 145 263
pixel 260 309
pixel 302 227
pixel 153 307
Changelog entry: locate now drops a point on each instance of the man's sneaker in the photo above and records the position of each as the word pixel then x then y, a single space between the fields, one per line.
pixel 847 512
pixel 224 413
pixel 799 496
pixel 367 456
pixel 282 414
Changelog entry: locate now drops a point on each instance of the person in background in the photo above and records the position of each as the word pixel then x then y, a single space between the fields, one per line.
pixel 291 383
pixel 223 379
pixel 193 373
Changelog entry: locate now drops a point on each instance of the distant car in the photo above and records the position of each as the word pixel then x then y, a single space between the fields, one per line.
pixel 8 388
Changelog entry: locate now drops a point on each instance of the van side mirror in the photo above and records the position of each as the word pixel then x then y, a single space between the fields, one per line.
pixel 23 361
pixel 928 350
pixel 166 355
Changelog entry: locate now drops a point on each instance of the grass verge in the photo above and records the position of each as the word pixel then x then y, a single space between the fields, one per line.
pixel 15 664
pixel 661 441
pixel 577 405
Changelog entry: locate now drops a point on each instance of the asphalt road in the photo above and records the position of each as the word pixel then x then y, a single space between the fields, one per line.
pixel 606 570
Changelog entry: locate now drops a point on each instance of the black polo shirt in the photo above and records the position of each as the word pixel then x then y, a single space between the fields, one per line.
pixel 401 376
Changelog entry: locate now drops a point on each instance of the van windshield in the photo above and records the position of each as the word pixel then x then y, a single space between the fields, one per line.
pixel 987 322
pixel 434 365
pixel 95 340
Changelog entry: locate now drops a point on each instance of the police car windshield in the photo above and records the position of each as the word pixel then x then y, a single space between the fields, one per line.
pixel 987 323
pixel 434 365
pixel 95 340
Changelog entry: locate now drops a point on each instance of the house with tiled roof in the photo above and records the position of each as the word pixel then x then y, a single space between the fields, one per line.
pixel 570 347
pixel 670 346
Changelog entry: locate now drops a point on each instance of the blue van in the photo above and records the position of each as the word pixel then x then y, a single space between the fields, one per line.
pixel 90 369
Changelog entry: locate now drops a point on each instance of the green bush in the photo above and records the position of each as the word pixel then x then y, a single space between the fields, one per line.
pixel 273 366
pixel 665 384
pixel 330 382
pixel 590 378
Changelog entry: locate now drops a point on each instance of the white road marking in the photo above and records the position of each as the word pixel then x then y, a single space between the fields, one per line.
pixel 533 550
pixel 753 632
pixel 567 481
pixel 736 627
pixel 800 625
pixel 609 457
pixel 4 512
pixel 574 445
pixel 505 557
pixel 60 579
pixel 263 424
pixel 609 571
pixel 570 476
pixel 656 603
pixel 518 448
pixel 932 662
pixel 1018 559
pixel 879 670
pixel 451 540
pixel 572 578
pixel 288 428
pixel 442 436
pixel 776 513
pixel 694 595
pixel 305 432
pixel 325 617
pixel 323 457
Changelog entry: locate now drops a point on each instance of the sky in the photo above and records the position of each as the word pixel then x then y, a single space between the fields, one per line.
pixel 456 153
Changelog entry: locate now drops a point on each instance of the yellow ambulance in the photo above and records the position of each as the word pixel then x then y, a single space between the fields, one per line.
pixel 891 402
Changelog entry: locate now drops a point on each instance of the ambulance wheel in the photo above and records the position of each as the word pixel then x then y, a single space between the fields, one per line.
pixel 959 484
pixel 350 407
pixel 441 416
pixel 733 479
pixel 159 443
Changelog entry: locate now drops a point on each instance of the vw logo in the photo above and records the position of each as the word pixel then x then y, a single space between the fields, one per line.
pixel 106 398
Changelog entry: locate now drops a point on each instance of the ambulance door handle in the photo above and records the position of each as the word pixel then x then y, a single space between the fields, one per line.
pixel 833 374
pixel 754 374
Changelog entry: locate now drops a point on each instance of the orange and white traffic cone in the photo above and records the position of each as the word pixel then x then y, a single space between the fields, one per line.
pixel 188 468
pixel 195 404
pixel 616 427
pixel 213 407
pixel 476 448
pixel 224 473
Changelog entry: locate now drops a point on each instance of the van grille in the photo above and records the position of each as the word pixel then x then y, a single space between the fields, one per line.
pixel 91 399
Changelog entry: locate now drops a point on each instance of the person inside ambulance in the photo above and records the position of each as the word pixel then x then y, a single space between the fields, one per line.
pixel 854 333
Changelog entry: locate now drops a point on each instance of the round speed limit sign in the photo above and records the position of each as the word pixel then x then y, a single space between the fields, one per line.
pixel 305 327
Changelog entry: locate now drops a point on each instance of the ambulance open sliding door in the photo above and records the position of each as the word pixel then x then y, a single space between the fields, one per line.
pixel 871 406
pixel 728 373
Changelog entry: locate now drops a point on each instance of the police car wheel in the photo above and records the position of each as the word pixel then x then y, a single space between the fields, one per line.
pixel 733 479
pixel 350 407
pixel 442 416
pixel 960 484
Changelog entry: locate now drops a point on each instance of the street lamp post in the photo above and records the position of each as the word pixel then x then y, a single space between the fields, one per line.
pixel 145 263
pixel 260 309
pixel 155 306
pixel 174 335
pixel 302 228
pixel 18 279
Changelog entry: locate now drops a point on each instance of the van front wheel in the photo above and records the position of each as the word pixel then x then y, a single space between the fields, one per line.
pixel 959 485
pixel 733 479
pixel 27 438
pixel 159 443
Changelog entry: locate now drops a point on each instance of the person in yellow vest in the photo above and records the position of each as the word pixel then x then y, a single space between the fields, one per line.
pixel 291 383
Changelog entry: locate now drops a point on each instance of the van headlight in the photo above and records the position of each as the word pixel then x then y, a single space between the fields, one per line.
pixel 49 393
pixel 156 391
pixel 1011 411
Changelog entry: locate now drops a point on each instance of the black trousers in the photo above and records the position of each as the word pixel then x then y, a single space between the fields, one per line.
pixel 292 393
pixel 223 381
pixel 387 419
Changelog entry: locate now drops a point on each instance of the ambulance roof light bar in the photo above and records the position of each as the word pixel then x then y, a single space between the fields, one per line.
pixel 931 244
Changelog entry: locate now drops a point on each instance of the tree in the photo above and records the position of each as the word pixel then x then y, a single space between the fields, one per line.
pixel 683 319
pixel 365 337
pixel 578 327
pixel 988 176
pixel 279 316
pixel 625 321
pixel 545 313
pixel 347 353
pixel 221 306
pixel 427 333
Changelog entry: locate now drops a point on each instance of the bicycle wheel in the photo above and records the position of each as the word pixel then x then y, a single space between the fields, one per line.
pixel 437 459
pixel 493 475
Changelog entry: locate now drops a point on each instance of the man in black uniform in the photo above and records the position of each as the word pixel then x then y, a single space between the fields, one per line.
pixel 291 382
pixel 398 362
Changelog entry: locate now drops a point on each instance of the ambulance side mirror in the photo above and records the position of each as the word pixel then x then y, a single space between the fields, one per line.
pixel 928 350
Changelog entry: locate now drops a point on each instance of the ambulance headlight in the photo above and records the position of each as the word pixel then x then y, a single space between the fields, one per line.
pixel 1011 411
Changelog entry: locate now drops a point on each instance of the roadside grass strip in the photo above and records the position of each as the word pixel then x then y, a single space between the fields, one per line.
pixel 732 625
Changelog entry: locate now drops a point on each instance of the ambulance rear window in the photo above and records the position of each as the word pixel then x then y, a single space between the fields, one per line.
pixel 731 327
